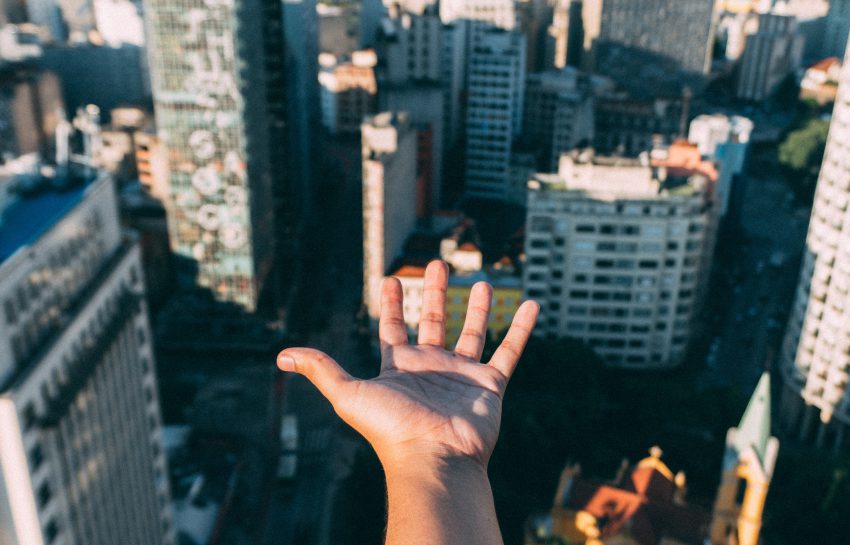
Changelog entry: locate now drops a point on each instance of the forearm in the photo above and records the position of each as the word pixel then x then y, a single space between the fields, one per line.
pixel 447 502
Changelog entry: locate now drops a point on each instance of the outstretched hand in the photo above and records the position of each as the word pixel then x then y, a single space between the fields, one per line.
pixel 427 402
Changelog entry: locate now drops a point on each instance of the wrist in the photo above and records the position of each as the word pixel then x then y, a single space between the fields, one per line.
pixel 412 459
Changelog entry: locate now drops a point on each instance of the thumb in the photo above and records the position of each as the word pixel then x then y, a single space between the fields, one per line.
pixel 319 368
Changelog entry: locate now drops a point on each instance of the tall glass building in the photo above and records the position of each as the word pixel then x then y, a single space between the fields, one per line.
pixel 217 78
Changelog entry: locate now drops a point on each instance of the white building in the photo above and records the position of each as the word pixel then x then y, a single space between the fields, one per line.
pixel 348 90
pixel 616 256
pixel 389 198
pixel 710 131
pixel 815 352
pixel 770 55
pixel 837 28
pixel 411 47
pixel 726 141
pixel 81 458
pixel 489 13
pixel 558 114
pixel 496 86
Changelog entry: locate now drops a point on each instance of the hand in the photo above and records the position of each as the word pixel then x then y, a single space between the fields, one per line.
pixel 427 402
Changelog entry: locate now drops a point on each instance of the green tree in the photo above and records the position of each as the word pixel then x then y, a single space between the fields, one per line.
pixel 801 154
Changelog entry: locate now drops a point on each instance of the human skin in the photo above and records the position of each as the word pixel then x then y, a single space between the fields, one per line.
pixel 432 415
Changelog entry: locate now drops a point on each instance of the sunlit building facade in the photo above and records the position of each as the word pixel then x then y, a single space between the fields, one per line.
pixel 616 256
pixel 81 458
pixel 219 93
pixel 816 352
pixel 389 198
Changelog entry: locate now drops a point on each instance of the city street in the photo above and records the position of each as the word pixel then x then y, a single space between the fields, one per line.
pixel 301 512
pixel 762 279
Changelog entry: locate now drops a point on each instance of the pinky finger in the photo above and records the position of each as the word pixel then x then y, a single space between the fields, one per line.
pixel 507 355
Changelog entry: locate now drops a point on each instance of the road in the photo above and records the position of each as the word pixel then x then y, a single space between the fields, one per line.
pixel 300 513
pixel 750 328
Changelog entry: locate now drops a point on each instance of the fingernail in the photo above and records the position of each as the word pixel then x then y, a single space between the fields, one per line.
pixel 286 363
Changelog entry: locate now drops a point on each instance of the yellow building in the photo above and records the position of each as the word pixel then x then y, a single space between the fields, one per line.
pixel 507 296
pixel 747 471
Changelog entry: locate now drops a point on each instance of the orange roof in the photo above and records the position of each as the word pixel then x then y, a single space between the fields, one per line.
pixel 643 507
pixel 468 247
pixel 825 64
pixel 684 159
pixel 410 271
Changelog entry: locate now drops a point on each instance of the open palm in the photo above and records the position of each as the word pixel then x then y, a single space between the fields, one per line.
pixel 426 400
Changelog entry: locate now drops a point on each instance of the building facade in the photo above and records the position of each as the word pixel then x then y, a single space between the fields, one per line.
pixel 231 198
pixel 348 90
pixel 81 460
pixel 616 255
pixel 411 47
pixel 389 150
pixel 496 89
pixel 770 55
pixel 837 28
pixel 558 114
pixel 678 34
pixel 816 397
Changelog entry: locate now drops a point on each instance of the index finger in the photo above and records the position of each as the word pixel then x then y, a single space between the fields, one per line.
pixel 506 357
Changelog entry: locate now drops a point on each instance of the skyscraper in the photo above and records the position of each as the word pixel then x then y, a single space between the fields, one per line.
pixel 558 114
pixel 658 32
pixel 217 72
pixel 770 54
pixel 496 79
pixel 81 457
pixel 815 352
pixel 389 198
pixel 837 28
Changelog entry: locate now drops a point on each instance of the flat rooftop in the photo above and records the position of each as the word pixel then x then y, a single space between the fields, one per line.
pixel 29 215
pixel 614 178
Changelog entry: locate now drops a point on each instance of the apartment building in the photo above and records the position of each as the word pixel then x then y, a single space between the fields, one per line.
pixel 815 356
pixel 81 457
pixel 616 255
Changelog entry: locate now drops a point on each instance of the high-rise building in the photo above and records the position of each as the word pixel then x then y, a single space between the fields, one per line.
pixel 770 54
pixel 496 87
pixel 616 255
pixel 219 95
pixel 655 32
pixel 389 198
pixel 81 458
pixel 410 47
pixel 628 124
pixel 558 114
pixel 423 104
pixel 837 28
pixel 815 352
pixel 31 107
pixel 348 91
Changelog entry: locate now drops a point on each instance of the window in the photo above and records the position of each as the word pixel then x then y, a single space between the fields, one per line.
pixel 36 457
pixel 9 310
pixel 44 495
pixel 51 531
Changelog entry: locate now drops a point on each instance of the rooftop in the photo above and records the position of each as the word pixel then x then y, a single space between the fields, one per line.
pixel 33 205
pixel 618 178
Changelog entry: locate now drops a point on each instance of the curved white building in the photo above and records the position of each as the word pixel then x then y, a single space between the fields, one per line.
pixel 816 352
